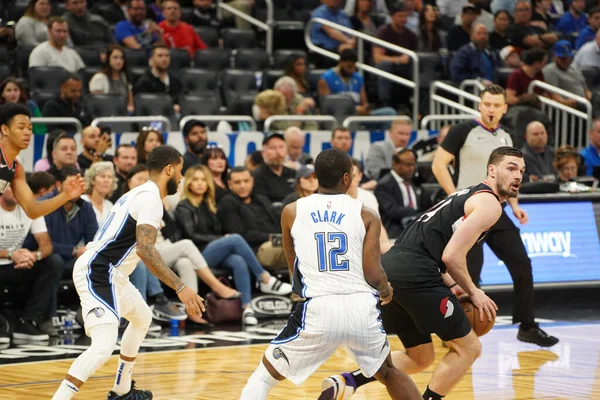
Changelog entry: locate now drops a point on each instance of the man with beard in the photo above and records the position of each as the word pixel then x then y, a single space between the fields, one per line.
pixel 427 270
pixel 95 143
pixel 195 138
pixel 272 179
pixel 54 52
pixel 475 60
pixel 134 32
pixel 468 145
pixel 101 277
pixel 67 104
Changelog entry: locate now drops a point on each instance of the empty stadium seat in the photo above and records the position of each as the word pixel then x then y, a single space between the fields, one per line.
pixel 45 80
pixel 209 35
pixel 193 104
pixel 290 34
pixel 270 77
pixel 338 105
pixel 431 68
pixel 136 57
pixel 5 58
pixel 180 58
pixel 215 59
pixel 199 81
pixel 236 82
pixel 153 104
pixel 4 72
pixel 106 105
pixel 242 104
pixel 281 57
pixel 234 38
pixel 89 54
pixel 135 73
pixel 313 76
pixel 22 55
pixel 502 75
pixel 251 59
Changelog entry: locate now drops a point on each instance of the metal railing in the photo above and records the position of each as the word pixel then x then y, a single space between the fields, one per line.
pixel 150 118
pixel 300 118
pixel 228 118
pixel 267 27
pixel 440 105
pixel 570 124
pixel 58 121
pixel 412 84
pixel 374 118
pixel 440 120
pixel 471 83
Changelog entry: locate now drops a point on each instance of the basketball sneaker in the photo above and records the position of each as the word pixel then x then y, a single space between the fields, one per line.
pixel 133 394
pixel 335 387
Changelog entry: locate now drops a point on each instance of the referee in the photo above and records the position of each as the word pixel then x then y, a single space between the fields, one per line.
pixel 469 145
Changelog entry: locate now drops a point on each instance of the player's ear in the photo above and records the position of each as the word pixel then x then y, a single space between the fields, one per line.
pixel 4 129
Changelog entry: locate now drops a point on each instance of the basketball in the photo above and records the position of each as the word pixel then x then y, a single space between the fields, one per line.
pixel 479 327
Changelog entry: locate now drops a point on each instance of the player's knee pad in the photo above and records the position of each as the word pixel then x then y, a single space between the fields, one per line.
pixel 141 318
pixel 104 340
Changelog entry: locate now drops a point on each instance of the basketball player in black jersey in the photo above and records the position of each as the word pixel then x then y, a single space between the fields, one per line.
pixel 427 268
pixel 15 127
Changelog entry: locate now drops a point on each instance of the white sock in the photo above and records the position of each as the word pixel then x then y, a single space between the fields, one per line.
pixel 65 391
pixel 123 380
pixel 259 384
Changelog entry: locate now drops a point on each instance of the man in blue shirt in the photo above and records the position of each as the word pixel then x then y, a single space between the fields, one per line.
pixel 137 33
pixel 588 33
pixel 475 60
pixel 574 20
pixel 591 152
pixel 327 37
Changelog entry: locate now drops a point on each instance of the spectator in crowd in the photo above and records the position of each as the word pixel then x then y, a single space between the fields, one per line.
pixel 564 74
pixel 517 86
pixel 295 103
pixel 253 217
pixel 44 164
pixel 591 153
pixel 476 60
pixel 178 34
pixel 412 18
pixel 499 37
pixel 197 217
pixel 124 160
pixel 113 11
pixel 12 91
pixel 379 7
pixel 380 154
pixel 64 155
pixel 508 5
pixel 95 143
pixel 40 270
pixel 295 68
pixel 113 79
pixel 253 161
pixel 429 156
pixel 294 143
pixel 523 34
pixel 269 103
pixel 344 79
pixel 134 32
pixel 588 55
pixel 155 10
pixel 396 195
pixel 244 6
pixel 306 184
pixel 195 139
pixel 485 17
pixel 368 199
pixel 510 56
pixel 67 103
pixel 566 163
pixel 588 33
pixel 397 33
pixel 273 179
pixel 32 28
pixel 341 139
pixel 450 8
pixel 54 52
pixel 459 35
pixel 205 14
pixel 215 160
pixel 70 226
pixel 430 36
pixel 541 15
pixel 148 139
pixel 363 20
pixel 158 79
pixel 100 183
pixel 41 184
pixel 327 37
pixel 538 156
pixel 86 28
pixel 574 20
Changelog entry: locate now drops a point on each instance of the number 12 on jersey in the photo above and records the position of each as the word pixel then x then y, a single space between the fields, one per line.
pixel 329 250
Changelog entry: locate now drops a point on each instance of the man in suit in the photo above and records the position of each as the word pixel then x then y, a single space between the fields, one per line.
pixel 396 194
pixel 380 153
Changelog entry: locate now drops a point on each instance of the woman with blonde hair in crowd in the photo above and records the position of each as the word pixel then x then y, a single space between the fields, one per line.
pixel 197 218
pixel 100 183
pixel 268 103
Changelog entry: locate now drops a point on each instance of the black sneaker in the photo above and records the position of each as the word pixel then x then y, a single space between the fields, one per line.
pixel 29 331
pixel 133 394
pixel 537 336
pixel 4 330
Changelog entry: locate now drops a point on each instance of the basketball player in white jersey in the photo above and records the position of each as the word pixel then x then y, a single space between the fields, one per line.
pixel 16 133
pixel 101 277
pixel 331 243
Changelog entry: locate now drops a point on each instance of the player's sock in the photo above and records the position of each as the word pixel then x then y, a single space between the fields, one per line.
pixel 431 395
pixel 123 380
pixel 358 378
pixel 259 384
pixel 66 391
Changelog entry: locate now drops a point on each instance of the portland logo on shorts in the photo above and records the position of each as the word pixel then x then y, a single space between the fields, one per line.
pixel 278 353
pixel 446 307
pixel 98 312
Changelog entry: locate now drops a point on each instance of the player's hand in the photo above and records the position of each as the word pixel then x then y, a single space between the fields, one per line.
pixel 194 304
pixel 390 294
pixel 484 304
pixel 521 215
pixel 74 186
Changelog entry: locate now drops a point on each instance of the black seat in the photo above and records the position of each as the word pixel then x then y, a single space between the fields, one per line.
pixel 153 104
pixel 236 82
pixel 234 38
pixel 290 34
pixel 5 58
pixel 431 68
pixel 215 59
pixel 281 57
pixel 86 74
pixel 251 59
pixel 199 81
pixel 135 73
pixel 592 77
pixel 242 104
pixel 89 54
pixel 180 58
pixel 23 53
pixel 193 104
pixel 338 105
pixel 209 35
pixel 46 80
pixel 313 76
pixel 136 57
pixel 502 75
pixel 106 105
pixel 269 78
pixel 4 72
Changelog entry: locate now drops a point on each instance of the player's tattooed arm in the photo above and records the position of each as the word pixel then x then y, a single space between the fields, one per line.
pixel 146 249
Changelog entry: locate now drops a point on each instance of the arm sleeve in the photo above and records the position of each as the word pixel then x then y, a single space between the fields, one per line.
pixel 456 138
pixel 551 77
pixel 122 31
pixel 24 32
pixel 147 208
pixel 99 82
pixel 391 206
pixel 374 162
pixel 39 226
pixel 36 58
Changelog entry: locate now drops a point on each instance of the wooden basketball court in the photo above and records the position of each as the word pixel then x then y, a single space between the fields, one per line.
pixel 508 369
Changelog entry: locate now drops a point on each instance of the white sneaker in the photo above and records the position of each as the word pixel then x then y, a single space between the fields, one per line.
pixel 275 286
pixel 334 388
pixel 248 317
